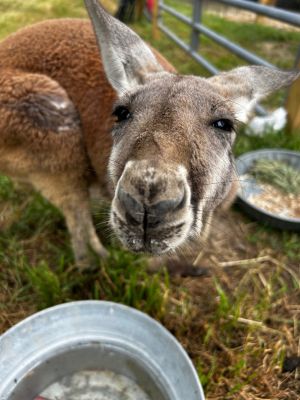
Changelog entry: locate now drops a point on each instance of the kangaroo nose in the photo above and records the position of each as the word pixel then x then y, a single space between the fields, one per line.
pixel 156 213
pixel 149 215
pixel 133 209
pixel 163 207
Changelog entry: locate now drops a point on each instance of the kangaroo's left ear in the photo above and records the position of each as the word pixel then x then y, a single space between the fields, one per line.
pixel 126 58
pixel 245 86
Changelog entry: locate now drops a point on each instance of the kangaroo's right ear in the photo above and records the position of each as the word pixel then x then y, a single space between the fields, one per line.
pixel 126 58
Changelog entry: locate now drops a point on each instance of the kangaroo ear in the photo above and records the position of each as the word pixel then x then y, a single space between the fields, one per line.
pixel 126 58
pixel 245 86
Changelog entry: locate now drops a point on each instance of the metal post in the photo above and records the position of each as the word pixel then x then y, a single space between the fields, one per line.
pixel 160 11
pixel 197 14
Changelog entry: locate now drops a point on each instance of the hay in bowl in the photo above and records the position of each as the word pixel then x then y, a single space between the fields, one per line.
pixel 77 348
pixel 270 187
pixel 94 385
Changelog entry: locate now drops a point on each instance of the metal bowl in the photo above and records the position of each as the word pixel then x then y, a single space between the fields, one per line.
pixel 94 335
pixel 249 187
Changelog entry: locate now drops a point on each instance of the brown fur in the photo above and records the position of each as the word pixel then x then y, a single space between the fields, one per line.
pixel 66 51
pixel 58 60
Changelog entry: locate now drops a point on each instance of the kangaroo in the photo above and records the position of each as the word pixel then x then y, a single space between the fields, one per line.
pixel 158 144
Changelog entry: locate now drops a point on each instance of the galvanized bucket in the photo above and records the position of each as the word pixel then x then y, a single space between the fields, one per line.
pixel 94 335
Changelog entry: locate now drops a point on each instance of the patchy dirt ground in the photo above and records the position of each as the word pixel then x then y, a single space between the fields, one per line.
pixel 238 323
pixel 243 327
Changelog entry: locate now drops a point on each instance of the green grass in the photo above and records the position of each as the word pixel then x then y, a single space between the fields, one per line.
pixel 270 139
pixel 123 278
pixel 237 324
pixel 6 189
pixel 19 13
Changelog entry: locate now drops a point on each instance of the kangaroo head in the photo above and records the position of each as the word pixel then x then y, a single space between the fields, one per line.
pixel 171 163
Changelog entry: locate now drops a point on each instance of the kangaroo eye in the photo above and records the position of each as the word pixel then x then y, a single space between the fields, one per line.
pixel 122 113
pixel 223 124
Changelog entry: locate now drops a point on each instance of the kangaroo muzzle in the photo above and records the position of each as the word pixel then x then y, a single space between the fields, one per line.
pixel 151 209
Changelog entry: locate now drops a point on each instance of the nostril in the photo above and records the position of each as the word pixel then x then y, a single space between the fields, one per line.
pixel 133 209
pixel 165 206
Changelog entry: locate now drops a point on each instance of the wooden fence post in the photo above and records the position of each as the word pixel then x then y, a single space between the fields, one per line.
pixel 155 31
pixel 268 2
pixel 139 8
pixel 261 18
pixel 293 106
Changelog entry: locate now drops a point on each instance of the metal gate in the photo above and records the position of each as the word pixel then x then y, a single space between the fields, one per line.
pixel 197 29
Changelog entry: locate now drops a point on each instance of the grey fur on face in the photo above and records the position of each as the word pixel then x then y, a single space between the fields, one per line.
pixel 170 138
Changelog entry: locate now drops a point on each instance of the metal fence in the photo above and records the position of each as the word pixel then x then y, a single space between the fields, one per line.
pixel 197 29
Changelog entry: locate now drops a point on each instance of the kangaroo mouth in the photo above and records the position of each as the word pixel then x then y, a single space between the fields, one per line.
pixel 155 243
pixel 154 238
pixel 151 210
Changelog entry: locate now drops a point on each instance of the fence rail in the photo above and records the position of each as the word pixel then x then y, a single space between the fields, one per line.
pixel 271 12
pixel 198 28
pixel 236 49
